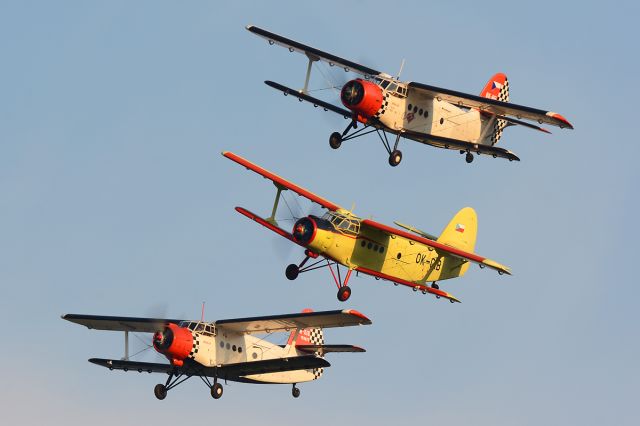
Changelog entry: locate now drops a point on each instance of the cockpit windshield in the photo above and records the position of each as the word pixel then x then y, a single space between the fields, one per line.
pixel 393 86
pixel 199 327
pixel 345 224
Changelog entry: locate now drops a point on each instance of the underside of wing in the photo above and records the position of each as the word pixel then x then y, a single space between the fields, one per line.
pixel 325 349
pixel 266 223
pixel 148 367
pixel 287 322
pixel 456 144
pixel 312 53
pixel 280 182
pixel 227 371
pixel 418 287
pixel 443 248
pixel 492 106
pixel 315 101
pixel 114 323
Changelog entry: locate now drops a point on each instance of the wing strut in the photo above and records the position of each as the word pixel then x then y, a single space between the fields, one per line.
pixel 306 79
pixel 272 219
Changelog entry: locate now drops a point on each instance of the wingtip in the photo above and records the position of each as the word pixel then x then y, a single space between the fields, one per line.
pixel 357 314
pixel 561 119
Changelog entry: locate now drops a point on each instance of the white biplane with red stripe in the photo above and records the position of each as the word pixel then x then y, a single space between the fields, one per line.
pixel 427 114
pixel 230 349
pixel 407 256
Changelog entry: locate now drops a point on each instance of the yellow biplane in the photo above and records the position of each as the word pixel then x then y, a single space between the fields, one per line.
pixel 409 257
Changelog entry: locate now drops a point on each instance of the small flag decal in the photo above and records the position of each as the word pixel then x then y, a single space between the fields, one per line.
pixel 459 227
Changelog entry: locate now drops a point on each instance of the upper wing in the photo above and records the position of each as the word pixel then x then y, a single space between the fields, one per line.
pixel 312 53
pixel 471 257
pixel 492 106
pixel 228 371
pixel 100 322
pixel 281 182
pixel 288 322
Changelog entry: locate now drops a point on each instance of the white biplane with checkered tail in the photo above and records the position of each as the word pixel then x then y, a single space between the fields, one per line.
pixel 230 349
pixel 431 115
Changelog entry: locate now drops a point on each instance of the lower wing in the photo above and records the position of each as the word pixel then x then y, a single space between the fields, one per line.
pixel 229 371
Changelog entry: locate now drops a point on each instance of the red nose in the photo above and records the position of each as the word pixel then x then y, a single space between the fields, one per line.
pixel 174 342
pixel 362 97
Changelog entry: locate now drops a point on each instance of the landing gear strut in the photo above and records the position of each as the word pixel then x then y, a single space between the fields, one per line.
pixel 295 391
pixel 293 270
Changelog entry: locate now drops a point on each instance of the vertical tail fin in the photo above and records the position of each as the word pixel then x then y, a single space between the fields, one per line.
pixel 497 89
pixel 459 233
pixel 307 336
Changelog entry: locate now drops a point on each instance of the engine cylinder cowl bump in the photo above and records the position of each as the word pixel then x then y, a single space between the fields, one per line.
pixel 174 342
pixel 304 230
pixel 362 97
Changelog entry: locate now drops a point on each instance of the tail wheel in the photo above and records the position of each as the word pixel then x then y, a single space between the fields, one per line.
pixel 434 285
pixel 216 391
pixel 469 157
pixel 292 272
pixel 335 140
pixel 344 293
pixel 295 392
pixel 395 158
pixel 160 391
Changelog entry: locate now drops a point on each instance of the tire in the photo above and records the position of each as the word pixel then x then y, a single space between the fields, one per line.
pixel 395 158
pixel 216 391
pixel 436 286
pixel 292 272
pixel 469 157
pixel 295 392
pixel 335 140
pixel 344 293
pixel 160 391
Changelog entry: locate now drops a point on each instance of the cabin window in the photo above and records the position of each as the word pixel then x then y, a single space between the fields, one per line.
pixel 369 245
pixel 228 346
pixel 222 345
pixel 409 107
pixel 399 255
pixel 384 84
pixel 442 121
pixel 415 109
pixel 420 111
pixel 363 243
pixel 426 113
pixel 381 250
pixel 254 355
pixel 239 349
pixel 233 348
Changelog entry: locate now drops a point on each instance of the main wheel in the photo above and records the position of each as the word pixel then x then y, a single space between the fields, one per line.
pixel 344 293
pixel 160 391
pixel 295 392
pixel 216 391
pixel 292 271
pixel 434 285
pixel 469 157
pixel 335 140
pixel 395 158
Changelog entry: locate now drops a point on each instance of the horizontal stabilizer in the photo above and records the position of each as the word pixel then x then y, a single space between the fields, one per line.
pixel 416 231
pixel 325 349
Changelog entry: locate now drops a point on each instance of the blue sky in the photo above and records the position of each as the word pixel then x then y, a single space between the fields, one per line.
pixel 115 200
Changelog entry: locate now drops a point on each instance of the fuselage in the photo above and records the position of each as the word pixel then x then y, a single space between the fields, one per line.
pixel 398 107
pixel 209 348
pixel 342 237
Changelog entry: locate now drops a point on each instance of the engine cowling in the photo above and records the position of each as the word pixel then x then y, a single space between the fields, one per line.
pixel 174 342
pixel 304 230
pixel 362 97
